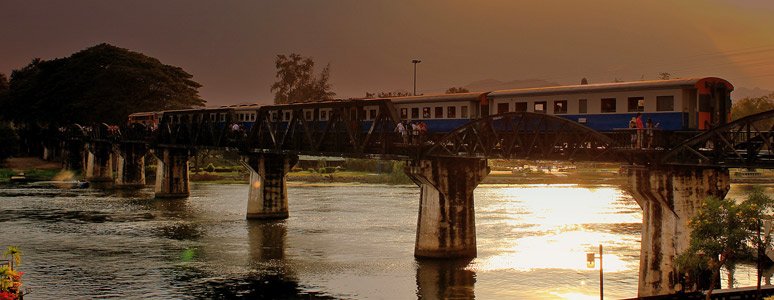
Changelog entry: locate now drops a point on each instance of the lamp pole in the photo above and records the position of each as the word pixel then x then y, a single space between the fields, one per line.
pixel 415 62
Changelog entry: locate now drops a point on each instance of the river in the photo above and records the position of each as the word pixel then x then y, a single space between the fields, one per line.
pixel 343 241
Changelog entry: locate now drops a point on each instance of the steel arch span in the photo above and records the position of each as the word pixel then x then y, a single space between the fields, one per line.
pixel 525 135
pixel 744 143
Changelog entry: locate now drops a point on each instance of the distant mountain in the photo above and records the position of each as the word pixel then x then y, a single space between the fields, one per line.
pixel 494 84
pixel 743 92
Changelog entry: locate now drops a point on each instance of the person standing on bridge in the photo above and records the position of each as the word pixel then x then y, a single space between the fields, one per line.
pixel 640 128
pixel 401 129
pixel 632 129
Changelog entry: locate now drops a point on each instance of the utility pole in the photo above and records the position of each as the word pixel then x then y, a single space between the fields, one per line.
pixel 415 62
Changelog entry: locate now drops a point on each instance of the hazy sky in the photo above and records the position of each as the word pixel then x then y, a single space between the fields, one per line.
pixel 230 46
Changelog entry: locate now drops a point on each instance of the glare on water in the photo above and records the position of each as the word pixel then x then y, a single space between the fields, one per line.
pixel 341 241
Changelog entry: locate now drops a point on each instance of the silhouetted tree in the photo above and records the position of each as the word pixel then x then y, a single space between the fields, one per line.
pixel 103 83
pixel 664 75
pixel 296 81
pixel 457 90
pixel 4 85
pixel 584 81
pixel 388 94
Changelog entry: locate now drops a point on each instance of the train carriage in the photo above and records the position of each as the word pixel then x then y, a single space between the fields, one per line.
pixel 679 104
pixel 441 113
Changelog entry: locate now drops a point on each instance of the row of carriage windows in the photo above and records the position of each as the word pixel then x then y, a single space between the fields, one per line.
pixel 436 112
pixel 608 105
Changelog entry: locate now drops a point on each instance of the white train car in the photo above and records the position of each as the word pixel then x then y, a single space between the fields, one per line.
pixel 678 104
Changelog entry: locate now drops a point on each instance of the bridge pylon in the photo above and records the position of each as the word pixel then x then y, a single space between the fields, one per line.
pixel 99 163
pixel 130 172
pixel 172 177
pixel 669 197
pixel 446 227
pixel 268 196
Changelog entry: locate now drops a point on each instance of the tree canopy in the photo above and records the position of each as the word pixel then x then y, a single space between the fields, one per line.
pixel 751 105
pixel 457 90
pixel 103 83
pixel 296 81
pixel 721 230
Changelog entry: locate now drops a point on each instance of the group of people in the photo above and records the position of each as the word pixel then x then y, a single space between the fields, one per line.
pixel 414 132
pixel 642 135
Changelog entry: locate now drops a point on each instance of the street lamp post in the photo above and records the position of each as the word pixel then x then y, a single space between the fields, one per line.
pixel 415 62
pixel 590 264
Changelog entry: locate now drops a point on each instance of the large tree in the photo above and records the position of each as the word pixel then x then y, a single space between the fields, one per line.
pixel 722 230
pixel 296 81
pixel 103 83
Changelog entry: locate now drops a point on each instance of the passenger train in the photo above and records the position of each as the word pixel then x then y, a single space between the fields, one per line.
pixel 676 105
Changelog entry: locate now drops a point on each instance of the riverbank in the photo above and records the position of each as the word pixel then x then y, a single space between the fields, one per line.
pixel 36 169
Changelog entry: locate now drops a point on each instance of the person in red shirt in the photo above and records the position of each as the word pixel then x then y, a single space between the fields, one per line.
pixel 640 128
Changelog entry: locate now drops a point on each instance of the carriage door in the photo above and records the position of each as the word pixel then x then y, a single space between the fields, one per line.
pixel 714 106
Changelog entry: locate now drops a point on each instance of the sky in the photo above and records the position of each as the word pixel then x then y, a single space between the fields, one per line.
pixel 230 46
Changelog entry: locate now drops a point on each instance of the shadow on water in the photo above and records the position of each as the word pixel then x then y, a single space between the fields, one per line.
pixel 445 279
pixel 269 277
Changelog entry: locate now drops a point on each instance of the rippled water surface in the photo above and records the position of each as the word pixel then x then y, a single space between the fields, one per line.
pixel 341 241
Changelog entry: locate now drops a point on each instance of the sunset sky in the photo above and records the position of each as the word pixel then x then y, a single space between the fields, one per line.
pixel 230 46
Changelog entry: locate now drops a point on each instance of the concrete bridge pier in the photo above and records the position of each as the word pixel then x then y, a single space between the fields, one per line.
pixel 131 165
pixel 446 227
pixel 172 172
pixel 72 155
pixel 99 163
pixel 669 198
pixel 268 196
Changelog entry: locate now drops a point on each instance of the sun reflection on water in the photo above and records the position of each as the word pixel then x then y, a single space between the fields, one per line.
pixel 552 228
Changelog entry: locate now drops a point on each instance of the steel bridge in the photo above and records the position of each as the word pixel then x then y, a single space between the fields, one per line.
pixel 744 143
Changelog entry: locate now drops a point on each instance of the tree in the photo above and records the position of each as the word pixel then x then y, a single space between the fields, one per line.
pixel 751 105
pixel 296 81
pixel 103 83
pixel 664 75
pixel 388 94
pixel 9 142
pixel 4 85
pixel 584 81
pixel 720 231
pixel 457 90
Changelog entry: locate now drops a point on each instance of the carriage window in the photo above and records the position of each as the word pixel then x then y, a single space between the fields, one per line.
pixel 636 104
pixel 372 114
pixel 451 112
pixel 438 112
pixel 665 103
pixel 252 117
pixel 520 107
pixel 582 106
pixel 212 117
pixel 502 108
pixel 415 112
pixel 308 115
pixel 540 107
pixel 222 117
pixel 560 107
pixel 404 113
pixel 323 115
pixel 241 117
pixel 608 105
pixel 464 111
pixel 287 116
pixel 425 113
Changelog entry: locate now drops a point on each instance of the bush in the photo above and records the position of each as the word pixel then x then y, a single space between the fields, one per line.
pixel 210 168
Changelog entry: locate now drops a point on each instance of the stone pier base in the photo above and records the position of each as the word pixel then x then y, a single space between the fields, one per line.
pixel 446 227
pixel 268 196
pixel 669 198
pixel 99 166
pixel 172 173
pixel 131 166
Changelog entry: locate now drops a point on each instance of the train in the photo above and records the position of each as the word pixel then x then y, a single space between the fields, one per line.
pixel 692 104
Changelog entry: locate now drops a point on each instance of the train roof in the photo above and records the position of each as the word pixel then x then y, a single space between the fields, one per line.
pixel 471 96
pixel 699 83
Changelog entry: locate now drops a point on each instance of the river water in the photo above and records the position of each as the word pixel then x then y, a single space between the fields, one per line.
pixel 341 241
